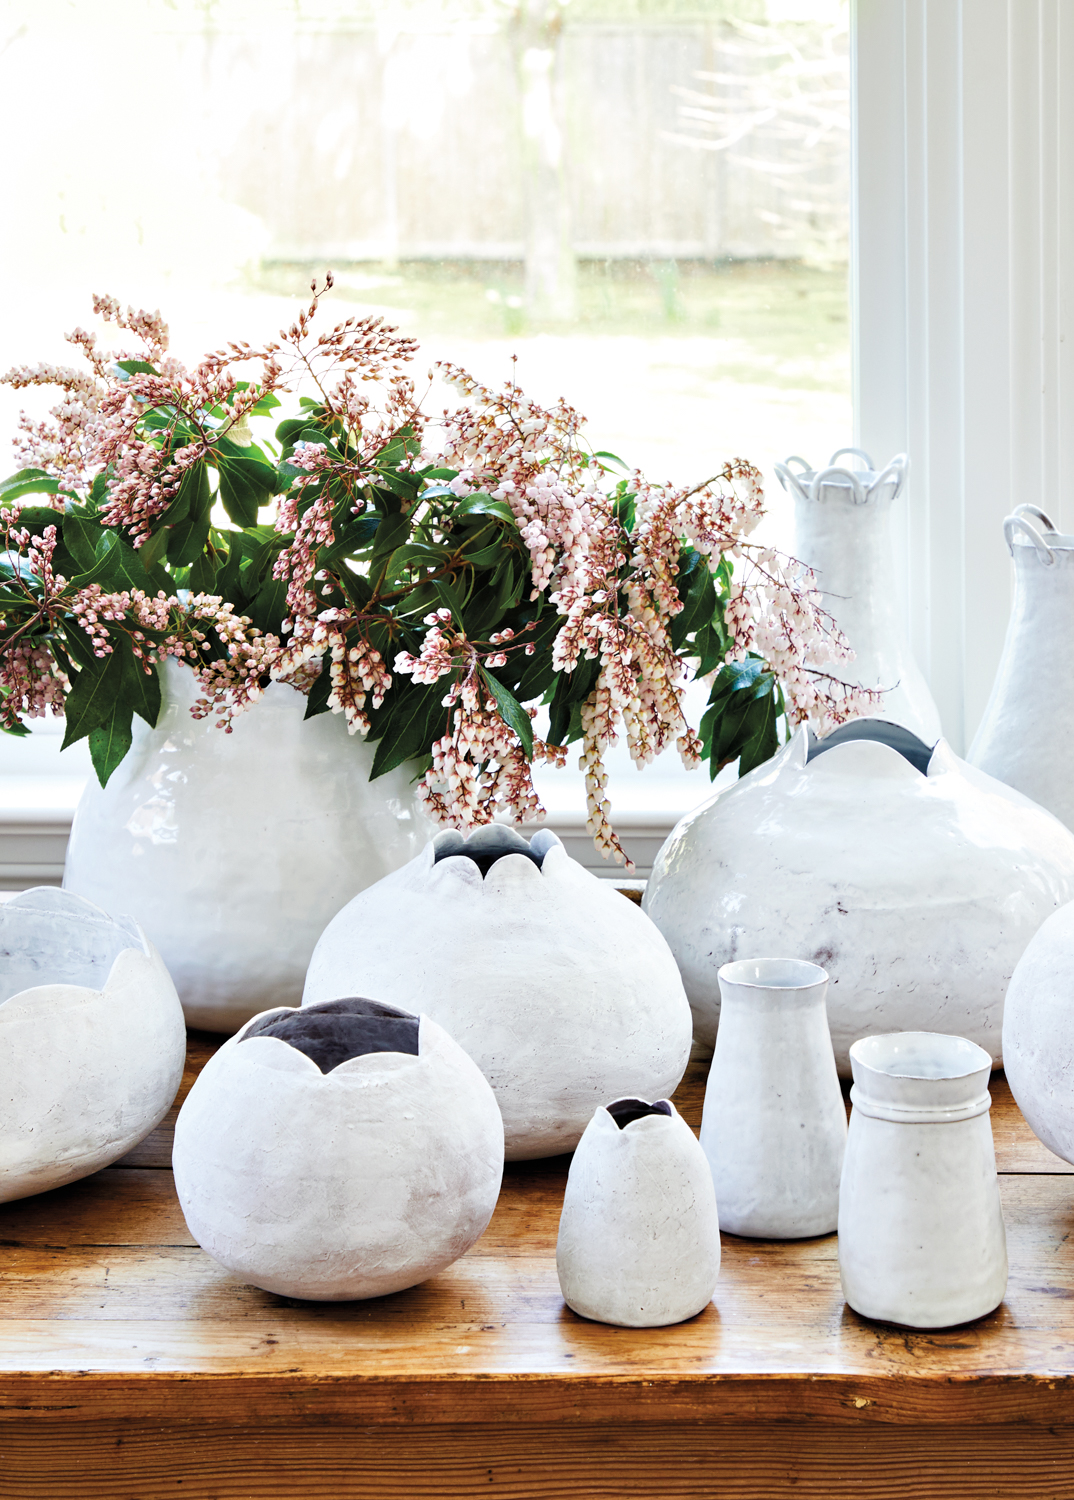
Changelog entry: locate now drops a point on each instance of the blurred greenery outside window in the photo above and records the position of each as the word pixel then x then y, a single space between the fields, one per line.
pixel 645 201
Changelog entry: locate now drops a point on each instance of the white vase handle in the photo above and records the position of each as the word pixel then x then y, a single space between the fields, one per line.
pixel 857 452
pixel 1037 514
pixel 789 479
pixel 896 470
pixel 845 477
pixel 1019 523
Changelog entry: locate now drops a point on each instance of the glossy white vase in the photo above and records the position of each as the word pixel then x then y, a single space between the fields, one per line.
pixel 1026 737
pixel 558 987
pixel 92 1041
pixel 774 1125
pixel 913 879
pixel 842 530
pixel 349 1151
pixel 234 850
pixel 1038 1034
pixel 639 1235
pixel 921 1237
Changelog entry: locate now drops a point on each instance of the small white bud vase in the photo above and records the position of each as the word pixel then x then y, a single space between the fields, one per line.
pixel 1038 1034
pixel 921 1237
pixel 639 1235
pixel 842 530
pixel 774 1124
pixel 92 1040
pixel 560 989
pixel 345 1151
pixel 913 879
pixel 1026 737
pixel 234 850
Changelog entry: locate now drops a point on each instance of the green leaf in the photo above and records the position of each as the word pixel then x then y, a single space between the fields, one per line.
pixel 203 573
pixel 511 712
pixel 612 458
pixel 117 566
pixel 110 742
pixel 141 691
pixel 93 696
pixel 245 485
pixel 192 511
pixel 27 482
pixel 484 505
pixel 320 692
pixel 152 552
pixel 414 720
pixel 135 367
pixel 268 609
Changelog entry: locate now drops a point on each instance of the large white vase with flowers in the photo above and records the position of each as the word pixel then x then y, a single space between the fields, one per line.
pixel 233 851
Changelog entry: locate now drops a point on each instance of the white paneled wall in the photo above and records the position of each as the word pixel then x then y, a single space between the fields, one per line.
pixel 963 270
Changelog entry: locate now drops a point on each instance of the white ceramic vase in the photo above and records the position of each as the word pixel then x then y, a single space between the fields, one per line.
pixel 234 850
pixel 1038 1033
pixel 559 988
pixel 921 1237
pixel 639 1235
pixel 1026 737
pixel 342 1152
pixel 842 530
pixel 915 880
pixel 91 1036
pixel 774 1125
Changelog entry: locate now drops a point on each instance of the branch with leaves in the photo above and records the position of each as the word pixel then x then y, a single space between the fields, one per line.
pixel 440 583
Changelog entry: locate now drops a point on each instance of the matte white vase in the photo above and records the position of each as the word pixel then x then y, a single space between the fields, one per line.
pixel 842 530
pixel 774 1125
pixel 1026 737
pixel 921 1237
pixel 559 988
pixel 913 879
pixel 639 1235
pixel 92 1040
pixel 342 1152
pixel 1038 1033
pixel 234 850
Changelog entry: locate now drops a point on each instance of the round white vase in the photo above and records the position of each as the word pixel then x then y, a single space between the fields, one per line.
pixel 559 988
pixel 91 1036
pixel 842 530
pixel 639 1235
pixel 349 1151
pixel 1026 737
pixel 914 879
pixel 1038 1033
pixel 234 850
pixel 921 1237
pixel 774 1124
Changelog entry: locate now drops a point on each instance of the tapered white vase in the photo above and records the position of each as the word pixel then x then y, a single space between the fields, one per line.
pixel 639 1235
pixel 1026 737
pixel 913 879
pixel 921 1236
pixel 234 850
pixel 560 989
pixel 349 1150
pixel 92 1041
pixel 774 1124
pixel 842 530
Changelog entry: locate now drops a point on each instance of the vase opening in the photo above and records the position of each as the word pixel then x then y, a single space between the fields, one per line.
pixel 625 1111
pixel 337 1030
pixel 920 1054
pixel 488 844
pixel 49 936
pixel 773 973
pixel 909 746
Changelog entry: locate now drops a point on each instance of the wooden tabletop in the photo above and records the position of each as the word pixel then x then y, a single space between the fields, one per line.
pixel 107 1304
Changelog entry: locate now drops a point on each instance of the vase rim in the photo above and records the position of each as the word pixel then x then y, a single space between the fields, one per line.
pixel 772 974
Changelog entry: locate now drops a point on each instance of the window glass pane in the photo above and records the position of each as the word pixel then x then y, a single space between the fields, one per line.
pixel 644 201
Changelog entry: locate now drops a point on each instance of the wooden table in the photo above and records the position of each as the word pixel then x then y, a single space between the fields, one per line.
pixel 132 1366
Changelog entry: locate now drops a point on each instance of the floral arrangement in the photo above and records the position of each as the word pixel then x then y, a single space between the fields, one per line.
pixel 437 582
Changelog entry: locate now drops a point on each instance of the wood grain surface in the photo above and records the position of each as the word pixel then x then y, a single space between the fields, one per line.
pixel 124 1349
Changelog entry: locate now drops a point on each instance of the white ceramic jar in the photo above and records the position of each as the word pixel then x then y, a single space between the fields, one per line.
pixel 1026 737
pixel 341 1152
pixel 1038 1033
pixel 774 1124
pixel 92 1041
pixel 914 880
pixel 639 1235
pixel 842 530
pixel 921 1237
pixel 559 988
pixel 234 850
